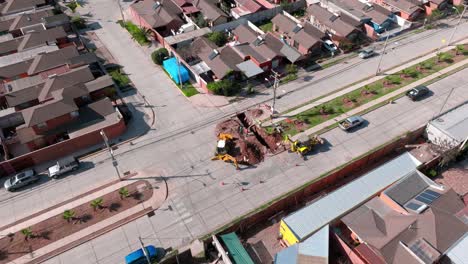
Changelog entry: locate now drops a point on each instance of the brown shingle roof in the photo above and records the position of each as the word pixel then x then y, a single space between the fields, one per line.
pixel 308 36
pixel 283 23
pixel 209 10
pixel 407 6
pixel 11 6
pixel 50 60
pixel 23 90
pixel 244 34
pixel 99 83
pixel 25 20
pixel 71 78
pixel 329 20
pixel 160 16
pixel 48 111
pixel 250 5
pixel 39 38
pixel 438 226
pixel 12 70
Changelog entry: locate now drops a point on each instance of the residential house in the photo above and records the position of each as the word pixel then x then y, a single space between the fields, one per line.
pixel 372 18
pixel 45 64
pixel 413 221
pixel 302 224
pixel 212 14
pixel 432 5
pixel 251 52
pixel 60 114
pixel 33 39
pixel 265 50
pixel 245 7
pixel 9 7
pixel 23 23
pixel 338 29
pixel 306 38
pixel 162 17
pixel 406 9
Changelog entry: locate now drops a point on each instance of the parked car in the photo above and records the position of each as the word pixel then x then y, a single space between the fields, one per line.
pixel 63 166
pixel 20 180
pixel 330 46
pixel 366 53
pixel 351 122
pixel 417 92
pixel 138 257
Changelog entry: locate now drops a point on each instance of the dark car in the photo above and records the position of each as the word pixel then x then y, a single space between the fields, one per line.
pixel 20 180
pixel 417 92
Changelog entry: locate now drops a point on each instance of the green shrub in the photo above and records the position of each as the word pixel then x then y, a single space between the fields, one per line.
pixel 445 56
pixel 79 22
pixel 159 55
pixel 410 72
pixel 393 79
pixel 217 38
pixel 73 5
pixel 427 65
pixel 200 21
pixel 138 34
pixel 460 49
pixel 224 87
pixel 120 78
pixel 291 68
pixel 289 77
pixel 432 173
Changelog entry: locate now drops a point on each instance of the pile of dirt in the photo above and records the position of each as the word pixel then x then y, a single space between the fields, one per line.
pixel 231 126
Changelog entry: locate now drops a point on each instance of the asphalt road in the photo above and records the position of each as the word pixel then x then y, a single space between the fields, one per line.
pixel 180 145
pixel 198 203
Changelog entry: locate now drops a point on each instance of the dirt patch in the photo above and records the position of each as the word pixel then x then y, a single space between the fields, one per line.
pixel 231 126
pixel 456 177
pixel 56 227
pixel 251 142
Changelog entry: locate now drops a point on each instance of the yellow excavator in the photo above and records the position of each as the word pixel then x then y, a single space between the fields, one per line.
pixel 222 147
pixel 304 144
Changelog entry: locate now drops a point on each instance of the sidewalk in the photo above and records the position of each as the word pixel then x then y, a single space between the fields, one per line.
pixel 361 84
pixel 159 196
pixel 378 101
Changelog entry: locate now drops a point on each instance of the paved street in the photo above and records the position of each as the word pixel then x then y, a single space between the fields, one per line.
pixel 198 202
pixel 180 144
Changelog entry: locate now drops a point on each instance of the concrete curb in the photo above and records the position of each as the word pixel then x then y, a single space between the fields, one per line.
pixel 320 127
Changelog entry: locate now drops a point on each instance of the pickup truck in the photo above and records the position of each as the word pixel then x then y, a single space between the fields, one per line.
pixel 350 122
pixel 63 166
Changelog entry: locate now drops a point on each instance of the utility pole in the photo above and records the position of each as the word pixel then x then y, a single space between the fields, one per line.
pixel 178 71
pixel 121 11
pixel 377 72
pixel 456 26
pixel 144 250
pixel 275 86
pixel 114 161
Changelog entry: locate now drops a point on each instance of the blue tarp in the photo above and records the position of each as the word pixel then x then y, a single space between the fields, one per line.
pixel 171 66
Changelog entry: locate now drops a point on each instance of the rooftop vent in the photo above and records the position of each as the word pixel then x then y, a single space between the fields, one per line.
pixel 156 5
pixel 213 54
pixel 259 41
pixel 297 28
pixel 333 18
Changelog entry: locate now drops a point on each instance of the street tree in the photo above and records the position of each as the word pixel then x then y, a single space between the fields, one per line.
pixel 68 215
pixel 97 204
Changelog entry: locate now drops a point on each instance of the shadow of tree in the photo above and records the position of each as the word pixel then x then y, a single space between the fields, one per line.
pixel 137 196
pixel 114 207
pixel 44 235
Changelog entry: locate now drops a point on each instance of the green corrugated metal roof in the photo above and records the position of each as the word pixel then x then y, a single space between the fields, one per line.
pixel 236 251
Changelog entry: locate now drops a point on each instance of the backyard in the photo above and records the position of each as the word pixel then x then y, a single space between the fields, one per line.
pixel 331 109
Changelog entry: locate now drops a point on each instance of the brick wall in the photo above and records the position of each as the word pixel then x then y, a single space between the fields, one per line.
pixel 60 149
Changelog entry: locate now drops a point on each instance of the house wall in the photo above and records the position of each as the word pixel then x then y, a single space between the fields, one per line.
pixel 346 250
pixel 370 32
pixel 53 123
pixel 439 137
pixel 60 149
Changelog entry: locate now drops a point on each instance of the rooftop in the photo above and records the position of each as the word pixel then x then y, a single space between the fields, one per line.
pixel 158 13
pixel 306 221
pixel 454 123
pixel 330 20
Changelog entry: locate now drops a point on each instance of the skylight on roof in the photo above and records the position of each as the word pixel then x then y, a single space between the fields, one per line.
pixel 297 28
pixel 213 54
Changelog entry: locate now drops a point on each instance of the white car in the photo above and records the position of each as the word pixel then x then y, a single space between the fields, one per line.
pixel 329 45
pixel 63 166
